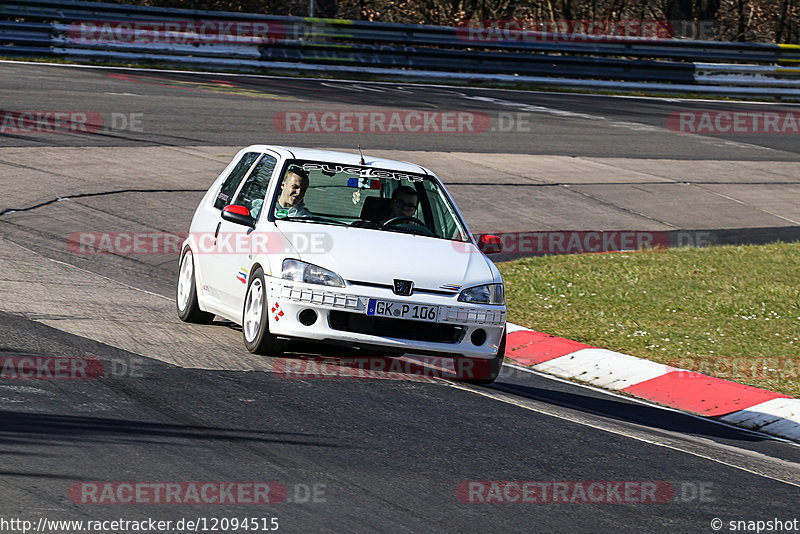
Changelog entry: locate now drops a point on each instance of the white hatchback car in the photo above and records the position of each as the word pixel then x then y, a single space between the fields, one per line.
pixel 295 243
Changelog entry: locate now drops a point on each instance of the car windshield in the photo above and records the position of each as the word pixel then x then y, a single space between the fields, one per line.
pixel 367 197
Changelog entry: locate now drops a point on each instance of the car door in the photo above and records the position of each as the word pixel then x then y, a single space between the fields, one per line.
pixel 207 224
pixel 238 244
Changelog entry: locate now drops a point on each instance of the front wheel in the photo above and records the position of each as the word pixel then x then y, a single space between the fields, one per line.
pixel 255 321
pixel 186 293
pixel 479 370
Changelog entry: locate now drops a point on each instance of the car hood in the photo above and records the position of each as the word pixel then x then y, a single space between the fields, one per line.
pixel 376 256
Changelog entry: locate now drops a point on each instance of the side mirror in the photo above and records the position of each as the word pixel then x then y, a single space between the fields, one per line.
pixel 239 215
pixel 490 244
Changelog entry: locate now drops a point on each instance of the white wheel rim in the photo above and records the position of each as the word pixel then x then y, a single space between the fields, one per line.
pixel 253 306
pixel 185 280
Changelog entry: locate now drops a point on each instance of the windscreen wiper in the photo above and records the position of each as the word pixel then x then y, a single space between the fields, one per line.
pixel 313 218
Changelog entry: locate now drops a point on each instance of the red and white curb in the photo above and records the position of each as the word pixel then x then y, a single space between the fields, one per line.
pixel 737 404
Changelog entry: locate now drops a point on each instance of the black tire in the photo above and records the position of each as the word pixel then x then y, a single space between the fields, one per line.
pixel 482 371
pixel 186 292
pixel 255 321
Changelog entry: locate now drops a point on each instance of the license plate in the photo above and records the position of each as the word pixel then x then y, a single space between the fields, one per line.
pixel 402 310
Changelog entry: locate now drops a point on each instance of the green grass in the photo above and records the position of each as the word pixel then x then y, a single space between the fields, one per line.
pixel 728 311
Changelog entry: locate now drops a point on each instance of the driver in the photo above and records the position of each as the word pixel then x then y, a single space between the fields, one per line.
pixel 404 202
pixel 293 190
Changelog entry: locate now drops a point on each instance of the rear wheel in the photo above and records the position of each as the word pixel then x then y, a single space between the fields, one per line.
pixel 255 321
pixel 479 370
pixel 186 293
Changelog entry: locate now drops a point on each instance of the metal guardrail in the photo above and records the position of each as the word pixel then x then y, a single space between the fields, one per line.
pixel 46 28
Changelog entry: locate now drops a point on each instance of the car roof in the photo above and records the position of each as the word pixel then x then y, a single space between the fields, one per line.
pixel 345 158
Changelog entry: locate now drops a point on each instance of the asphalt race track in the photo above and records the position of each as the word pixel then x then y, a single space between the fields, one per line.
pixel 181 403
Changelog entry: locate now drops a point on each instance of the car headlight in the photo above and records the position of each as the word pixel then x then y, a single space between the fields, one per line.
pixel 300 271
pixel 486 294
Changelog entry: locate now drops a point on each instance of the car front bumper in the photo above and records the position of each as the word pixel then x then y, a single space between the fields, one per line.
pixel 340 316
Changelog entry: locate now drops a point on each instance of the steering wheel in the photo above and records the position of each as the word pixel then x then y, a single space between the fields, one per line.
pixel 394 220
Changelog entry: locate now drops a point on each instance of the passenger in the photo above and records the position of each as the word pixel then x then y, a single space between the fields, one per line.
pixel 293 190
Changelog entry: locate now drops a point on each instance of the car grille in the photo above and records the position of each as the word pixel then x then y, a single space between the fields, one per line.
pixel 396 328
pixel 450 293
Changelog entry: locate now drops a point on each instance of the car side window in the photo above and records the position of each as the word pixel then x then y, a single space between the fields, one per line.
pixel 234 179
pixel 254 189
pixel 443 217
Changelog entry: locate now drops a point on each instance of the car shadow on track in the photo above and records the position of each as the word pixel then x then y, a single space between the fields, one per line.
pixel 628 411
